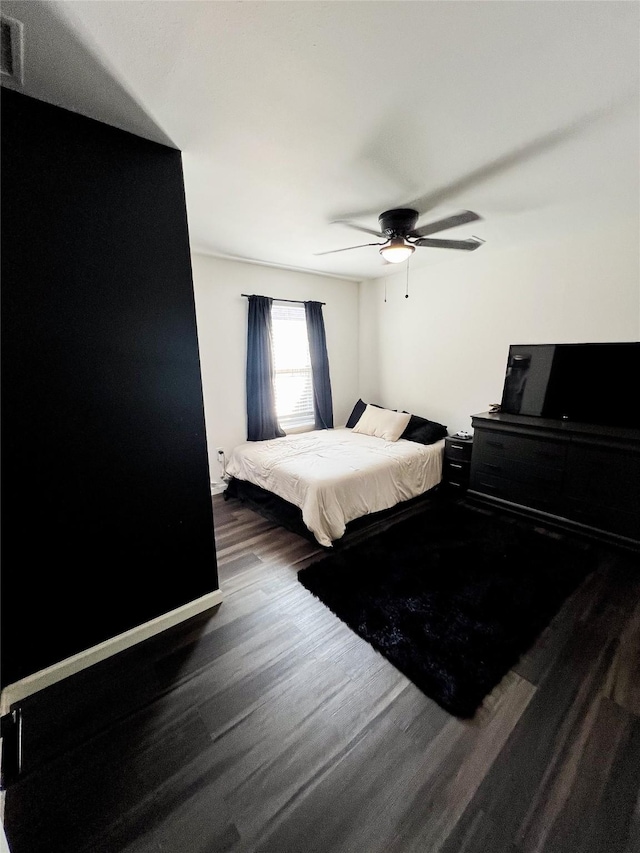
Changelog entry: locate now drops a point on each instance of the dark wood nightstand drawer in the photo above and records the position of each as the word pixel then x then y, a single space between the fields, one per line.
pixel 456 472
pixel 455 489
pixel 458 449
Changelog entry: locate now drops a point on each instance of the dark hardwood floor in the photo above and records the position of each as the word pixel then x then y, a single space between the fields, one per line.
pixel 267 726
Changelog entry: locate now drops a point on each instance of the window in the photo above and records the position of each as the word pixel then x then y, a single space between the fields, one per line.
pixel 292 365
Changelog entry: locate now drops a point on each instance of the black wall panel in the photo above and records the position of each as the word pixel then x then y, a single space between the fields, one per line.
pixel 106 507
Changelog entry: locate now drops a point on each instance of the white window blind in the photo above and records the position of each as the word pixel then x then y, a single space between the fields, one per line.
pixel 293 383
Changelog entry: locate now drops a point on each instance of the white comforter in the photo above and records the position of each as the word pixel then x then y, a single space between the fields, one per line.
pixel 335 476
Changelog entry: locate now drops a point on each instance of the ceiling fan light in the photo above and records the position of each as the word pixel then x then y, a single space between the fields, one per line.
pixel 397 251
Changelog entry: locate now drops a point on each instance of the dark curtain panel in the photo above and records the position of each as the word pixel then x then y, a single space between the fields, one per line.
pixel 262 422
pixel 322 400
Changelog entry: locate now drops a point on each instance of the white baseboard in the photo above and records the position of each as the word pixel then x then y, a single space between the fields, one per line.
pixel 51 675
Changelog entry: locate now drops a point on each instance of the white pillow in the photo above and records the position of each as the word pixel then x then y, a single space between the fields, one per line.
pixel 383 423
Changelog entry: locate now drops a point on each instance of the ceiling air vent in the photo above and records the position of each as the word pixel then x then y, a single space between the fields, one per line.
pixel 11 60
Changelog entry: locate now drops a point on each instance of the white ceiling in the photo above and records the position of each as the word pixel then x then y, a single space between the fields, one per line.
pixel 292 115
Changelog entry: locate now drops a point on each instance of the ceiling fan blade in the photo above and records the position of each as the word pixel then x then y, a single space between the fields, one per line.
pixel 503 163
pixel 469 245
pixel 357 227
pixel 442 224
pixel 333 251
pixel 516 157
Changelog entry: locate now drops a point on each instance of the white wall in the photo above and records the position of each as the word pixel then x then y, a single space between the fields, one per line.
pixel 442 352
pixel 221 314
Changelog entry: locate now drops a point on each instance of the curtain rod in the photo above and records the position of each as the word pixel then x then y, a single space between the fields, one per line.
pixel 299 301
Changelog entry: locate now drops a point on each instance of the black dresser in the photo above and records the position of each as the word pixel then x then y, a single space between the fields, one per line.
pixel 581 477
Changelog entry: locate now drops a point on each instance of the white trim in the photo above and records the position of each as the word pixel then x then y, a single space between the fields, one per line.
pixel 63 669
pixel 308 427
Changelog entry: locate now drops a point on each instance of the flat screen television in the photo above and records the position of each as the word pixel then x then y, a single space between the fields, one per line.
pixel 587 383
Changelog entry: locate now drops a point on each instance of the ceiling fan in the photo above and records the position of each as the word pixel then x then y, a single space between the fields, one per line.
pixel 400 236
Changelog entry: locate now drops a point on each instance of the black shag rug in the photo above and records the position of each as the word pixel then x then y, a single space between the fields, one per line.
pixel 452 597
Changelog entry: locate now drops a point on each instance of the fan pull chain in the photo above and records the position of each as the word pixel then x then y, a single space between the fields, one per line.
pixel 406 295
pixel 385 290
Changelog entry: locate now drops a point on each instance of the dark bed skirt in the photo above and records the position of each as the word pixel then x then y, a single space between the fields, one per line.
pixel 288 515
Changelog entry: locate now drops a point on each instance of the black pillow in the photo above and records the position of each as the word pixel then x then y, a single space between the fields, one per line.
pixel 358 411
pixel 424 431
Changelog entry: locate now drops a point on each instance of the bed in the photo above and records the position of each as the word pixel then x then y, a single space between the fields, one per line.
pixel 335 476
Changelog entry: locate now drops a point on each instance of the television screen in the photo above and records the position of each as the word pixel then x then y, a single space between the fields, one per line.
pixel 588 383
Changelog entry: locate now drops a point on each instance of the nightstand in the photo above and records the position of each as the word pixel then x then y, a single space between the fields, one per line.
pixel 456 465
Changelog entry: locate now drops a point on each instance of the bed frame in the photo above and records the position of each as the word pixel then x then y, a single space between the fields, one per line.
pixel 287 515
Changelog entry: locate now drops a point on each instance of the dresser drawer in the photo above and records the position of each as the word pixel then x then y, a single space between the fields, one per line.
pixel 539 495
pixel 533 473
pixel 604 478
pixel 507 446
